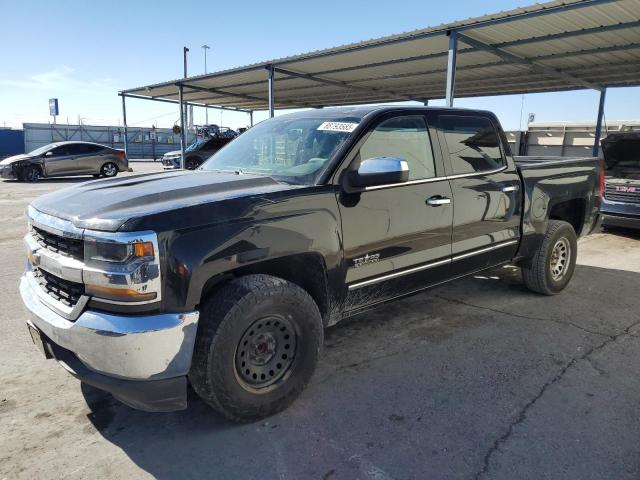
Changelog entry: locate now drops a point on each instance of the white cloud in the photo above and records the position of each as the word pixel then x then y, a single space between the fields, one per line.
pixel 62 78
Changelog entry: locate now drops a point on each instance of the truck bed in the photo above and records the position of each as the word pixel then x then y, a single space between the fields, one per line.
pixel 568 186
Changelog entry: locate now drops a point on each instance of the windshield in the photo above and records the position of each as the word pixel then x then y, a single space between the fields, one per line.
pixel 289 149
pixel 41 150
pixel 195 145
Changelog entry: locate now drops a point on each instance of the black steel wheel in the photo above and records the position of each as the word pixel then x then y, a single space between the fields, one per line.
pixel 258 342
pixel 265 353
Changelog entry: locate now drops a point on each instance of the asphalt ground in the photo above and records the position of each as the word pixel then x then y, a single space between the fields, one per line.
pixel 476 379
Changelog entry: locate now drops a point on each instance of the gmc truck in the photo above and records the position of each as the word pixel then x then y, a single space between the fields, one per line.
pixel 621 202
pixel 225 277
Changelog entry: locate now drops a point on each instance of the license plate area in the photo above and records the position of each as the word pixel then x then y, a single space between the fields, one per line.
pixel 38 341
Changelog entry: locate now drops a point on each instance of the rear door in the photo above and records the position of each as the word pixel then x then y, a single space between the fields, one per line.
pixel 485 186
pixel 89 158
pixel 395 241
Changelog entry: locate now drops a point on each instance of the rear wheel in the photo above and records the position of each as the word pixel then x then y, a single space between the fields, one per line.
pixel 109 170
pixel 553 263
pixel 258 343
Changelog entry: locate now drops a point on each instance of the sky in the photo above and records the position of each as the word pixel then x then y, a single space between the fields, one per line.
pixel 84 52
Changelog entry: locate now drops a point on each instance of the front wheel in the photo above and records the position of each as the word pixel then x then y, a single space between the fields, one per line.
pixel 31 174
pixel 257 347
pixel 109 170
pixel 553 263
pixel 191 163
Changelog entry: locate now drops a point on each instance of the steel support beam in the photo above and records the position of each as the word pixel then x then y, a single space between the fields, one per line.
pixel 451 67
pixel 251 118
pixel 338 83
pixel 271 80
pixel 596 140
pixel 221 92
pixel 182 135
pixel 167 100
pixel 535 66
pixel 124 122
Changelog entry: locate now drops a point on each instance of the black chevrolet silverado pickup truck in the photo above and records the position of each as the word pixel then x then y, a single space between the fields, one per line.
pixel 225 277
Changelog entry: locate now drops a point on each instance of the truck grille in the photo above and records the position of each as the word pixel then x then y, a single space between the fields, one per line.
pixel 64 291
pixel 70 247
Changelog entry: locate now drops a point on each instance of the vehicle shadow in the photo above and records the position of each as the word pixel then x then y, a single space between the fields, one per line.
pixel 632 233
pixel 390 382
pixel 55 180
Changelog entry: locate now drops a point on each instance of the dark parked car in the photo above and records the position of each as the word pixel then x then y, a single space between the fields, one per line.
pixel 65 159
pixel 195 154
pixel 225 277
pixel 621 204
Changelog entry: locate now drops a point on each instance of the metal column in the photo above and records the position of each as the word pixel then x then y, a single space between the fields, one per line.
pixel 596 141
pixel 182 136
pixel 124 121
pixel 451 67
pixel 251 118
pixel 271 97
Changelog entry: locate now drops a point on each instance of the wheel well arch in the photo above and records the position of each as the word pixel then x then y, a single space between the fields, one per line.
pixel 307 270
pixel 571 211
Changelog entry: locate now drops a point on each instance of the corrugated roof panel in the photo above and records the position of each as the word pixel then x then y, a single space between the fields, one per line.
pixel 583 35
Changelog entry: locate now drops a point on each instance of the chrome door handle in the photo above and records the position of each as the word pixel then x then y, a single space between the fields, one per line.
pixel 510 188
pixel 438 200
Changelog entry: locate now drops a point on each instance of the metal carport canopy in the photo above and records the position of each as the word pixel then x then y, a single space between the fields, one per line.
pixel 554 46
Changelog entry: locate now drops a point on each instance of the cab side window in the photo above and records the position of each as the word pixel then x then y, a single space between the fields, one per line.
pixel 406 138
pixel 473 144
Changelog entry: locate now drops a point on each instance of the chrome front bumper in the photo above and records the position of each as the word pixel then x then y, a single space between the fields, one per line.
pixel 132 347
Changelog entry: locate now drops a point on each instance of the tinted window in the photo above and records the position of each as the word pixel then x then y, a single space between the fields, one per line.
pixel 76 149
pixel 472 142
pixel 60 151
pixel 93 148
pixel 406 138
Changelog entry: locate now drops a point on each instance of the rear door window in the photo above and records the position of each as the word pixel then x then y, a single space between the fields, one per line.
pixel 472 142
pixel 76 149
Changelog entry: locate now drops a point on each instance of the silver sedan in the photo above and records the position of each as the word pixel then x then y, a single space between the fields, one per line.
pixel 63 159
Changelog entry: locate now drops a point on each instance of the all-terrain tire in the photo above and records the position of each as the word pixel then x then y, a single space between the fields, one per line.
pixel 545 271
pixel 239 312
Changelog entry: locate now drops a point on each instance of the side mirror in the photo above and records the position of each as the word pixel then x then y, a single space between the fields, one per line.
pixel 379 171
pixel 49 154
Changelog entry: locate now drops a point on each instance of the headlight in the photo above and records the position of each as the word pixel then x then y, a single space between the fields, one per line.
pixel 122 267
pixel 117 252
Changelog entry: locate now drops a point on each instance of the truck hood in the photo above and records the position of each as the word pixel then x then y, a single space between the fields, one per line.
pixel 15 158
pixel 107 204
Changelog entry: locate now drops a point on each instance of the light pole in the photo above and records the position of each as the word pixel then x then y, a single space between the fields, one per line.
pixel 206 109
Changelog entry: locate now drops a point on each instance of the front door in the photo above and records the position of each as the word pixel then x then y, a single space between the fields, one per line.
pixel 58 160
pixel 485 185
pixel 397 238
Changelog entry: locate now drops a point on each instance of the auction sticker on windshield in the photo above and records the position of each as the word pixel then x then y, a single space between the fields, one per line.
pixel 338 126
